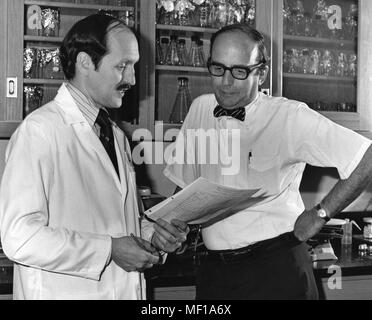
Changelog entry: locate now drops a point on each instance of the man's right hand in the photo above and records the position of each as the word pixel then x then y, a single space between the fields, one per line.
pixel 128 255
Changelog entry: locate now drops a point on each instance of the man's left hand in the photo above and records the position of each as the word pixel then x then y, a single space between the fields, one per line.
pixel 169 237
pixel 307 225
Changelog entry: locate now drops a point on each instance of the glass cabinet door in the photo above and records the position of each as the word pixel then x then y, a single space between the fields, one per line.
pixel 182 40
pixel 320 54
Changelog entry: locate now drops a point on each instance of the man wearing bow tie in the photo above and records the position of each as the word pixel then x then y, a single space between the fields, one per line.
pixel 260 252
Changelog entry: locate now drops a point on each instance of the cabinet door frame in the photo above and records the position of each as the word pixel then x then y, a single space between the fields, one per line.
pixel 362 119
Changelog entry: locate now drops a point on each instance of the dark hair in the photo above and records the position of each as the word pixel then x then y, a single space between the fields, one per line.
pixel 87 35
pixel 253 35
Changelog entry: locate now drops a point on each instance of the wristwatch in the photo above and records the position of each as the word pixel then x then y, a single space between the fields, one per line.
pixel 321 213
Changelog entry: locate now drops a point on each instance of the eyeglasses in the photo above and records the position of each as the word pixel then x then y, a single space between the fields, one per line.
pixel 238 72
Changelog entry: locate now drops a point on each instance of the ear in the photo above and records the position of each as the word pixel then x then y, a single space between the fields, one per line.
pixel 84 63
pixel 262 73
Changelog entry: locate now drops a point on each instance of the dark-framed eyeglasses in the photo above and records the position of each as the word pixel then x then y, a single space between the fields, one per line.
pixel 238 72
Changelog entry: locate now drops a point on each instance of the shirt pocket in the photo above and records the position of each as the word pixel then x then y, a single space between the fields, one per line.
pixel 263 173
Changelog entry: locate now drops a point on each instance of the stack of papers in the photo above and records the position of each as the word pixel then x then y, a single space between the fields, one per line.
pixel 205 202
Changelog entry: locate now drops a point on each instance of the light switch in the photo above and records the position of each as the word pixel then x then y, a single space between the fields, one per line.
pixel 11 87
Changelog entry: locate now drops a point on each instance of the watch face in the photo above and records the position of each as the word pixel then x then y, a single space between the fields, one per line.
pixel 322 213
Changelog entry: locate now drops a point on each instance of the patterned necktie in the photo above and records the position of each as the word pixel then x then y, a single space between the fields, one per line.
pixel 107 137
pixel 238 113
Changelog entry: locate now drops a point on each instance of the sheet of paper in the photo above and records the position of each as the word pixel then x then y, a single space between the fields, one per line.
pixel 204 202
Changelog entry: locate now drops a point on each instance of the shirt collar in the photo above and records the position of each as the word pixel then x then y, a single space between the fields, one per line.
pixel 86 105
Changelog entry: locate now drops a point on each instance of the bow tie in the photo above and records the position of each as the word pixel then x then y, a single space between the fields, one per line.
pixel 238 113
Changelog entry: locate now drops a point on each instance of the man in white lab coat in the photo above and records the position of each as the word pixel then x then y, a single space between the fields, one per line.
pixel 67 208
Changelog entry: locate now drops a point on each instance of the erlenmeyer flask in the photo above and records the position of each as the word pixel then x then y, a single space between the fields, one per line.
pixel 201 53
pixel 172 57
pixel 182 103
pixel 194 55
pixel 182 54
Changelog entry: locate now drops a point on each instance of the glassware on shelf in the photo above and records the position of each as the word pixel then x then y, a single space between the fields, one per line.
pixel 287 18
pixel 321 19
pixel 50 20
pixel 159 52
pixel 351 22
pixel 315 62
pixel 308 25
pixel 341 67
pixel 294 61
pixel 172 57
pixel 164 43
pixel 166 13
pixel 305 61
pixel 219 13
pixel 30 62
pixel 204 9
pixel 182 103
pixel 183 8
pixel 298 18
pixel 200 45
pixel 352 65
pixel 182 53
pixel 33 96
pixel 194 53
pixel 250 13
pixel 326 64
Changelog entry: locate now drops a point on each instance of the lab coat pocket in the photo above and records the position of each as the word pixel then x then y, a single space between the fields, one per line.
pixel 263 173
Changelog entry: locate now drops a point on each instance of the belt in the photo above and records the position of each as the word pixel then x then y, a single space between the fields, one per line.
pixel 259 249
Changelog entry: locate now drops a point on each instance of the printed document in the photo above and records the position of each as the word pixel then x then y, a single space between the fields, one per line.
pixel 205 202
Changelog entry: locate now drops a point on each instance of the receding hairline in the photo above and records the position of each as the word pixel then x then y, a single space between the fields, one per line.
pixel 254 44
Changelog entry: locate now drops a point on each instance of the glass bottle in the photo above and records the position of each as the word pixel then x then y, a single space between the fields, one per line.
pixel 182 103
pixel 251 13
pixel 159 52
pixel 298 18
pixel 164 43
pixel 201 55
pixel 352 65
pixel 287 18
pixel 172 52
pixel 194 57
pixel 204 10
pixel 352 22
pixel 315 62
pixel 182 54
pixel 320 19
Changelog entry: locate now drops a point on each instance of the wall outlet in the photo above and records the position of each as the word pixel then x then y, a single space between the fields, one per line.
pixel 11 87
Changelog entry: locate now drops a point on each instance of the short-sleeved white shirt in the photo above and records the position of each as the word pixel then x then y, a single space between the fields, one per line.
pixel 276 140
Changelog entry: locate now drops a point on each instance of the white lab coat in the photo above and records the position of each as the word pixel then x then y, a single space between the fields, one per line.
pixel 60 201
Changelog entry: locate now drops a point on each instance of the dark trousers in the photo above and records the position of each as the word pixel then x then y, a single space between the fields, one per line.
pixel 285 274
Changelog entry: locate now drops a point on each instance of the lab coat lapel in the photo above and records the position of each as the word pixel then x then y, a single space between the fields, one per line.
pixel 73 116
pixel 131 211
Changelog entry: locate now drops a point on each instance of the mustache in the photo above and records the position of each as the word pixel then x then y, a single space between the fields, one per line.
pixel 124 86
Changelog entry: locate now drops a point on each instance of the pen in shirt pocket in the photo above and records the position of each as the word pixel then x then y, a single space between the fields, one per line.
pixel 249 156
